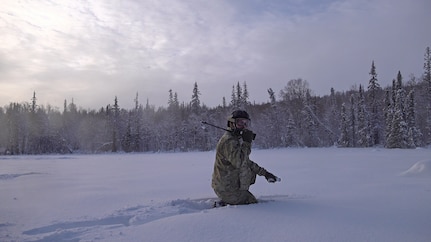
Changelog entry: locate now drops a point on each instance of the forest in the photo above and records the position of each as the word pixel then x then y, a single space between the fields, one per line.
pixel 396 116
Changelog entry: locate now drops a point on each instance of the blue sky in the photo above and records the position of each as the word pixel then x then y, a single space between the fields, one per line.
pixel 92 51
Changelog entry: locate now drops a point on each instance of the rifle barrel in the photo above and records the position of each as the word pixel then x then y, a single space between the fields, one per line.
pixel 215 126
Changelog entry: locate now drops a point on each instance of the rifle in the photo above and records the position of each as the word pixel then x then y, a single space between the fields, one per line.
pixel 215 126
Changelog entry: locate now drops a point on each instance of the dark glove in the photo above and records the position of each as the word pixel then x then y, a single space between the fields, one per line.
pixel 270 177
pixel 248 135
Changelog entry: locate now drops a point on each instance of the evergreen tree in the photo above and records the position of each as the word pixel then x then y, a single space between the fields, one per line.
pixel 333 117
pixel 234 101
pixel 330 112
pixel 173 104
pixel 176 101
pixel 239 96
pixel 65 106
pixel 148 130
pixel 427 80
pixel 344 140
pixel 126 141
pixel 195 103
pixel 400 94
pixel 17 128
pixel 171 99
pixel 245 96
pixel 414 134
pixel 398 134
pixel 115 124
pixel 427 66
pixel 239 99
pixel 363 126
pixel 290 136
pixel 39 140
pixel 35 131
pixel 352 119
pixel 374 91
pixel 136 134
pixel 71 124
pixel 388 111
pixel 33 103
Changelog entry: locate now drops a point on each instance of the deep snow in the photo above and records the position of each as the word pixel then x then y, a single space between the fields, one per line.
pixel 326 194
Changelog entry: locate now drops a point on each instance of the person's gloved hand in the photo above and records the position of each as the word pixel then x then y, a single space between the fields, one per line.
pixel 271 178
pixel 248 135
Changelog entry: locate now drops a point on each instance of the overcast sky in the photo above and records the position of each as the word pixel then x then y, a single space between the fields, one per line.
pixel 93 50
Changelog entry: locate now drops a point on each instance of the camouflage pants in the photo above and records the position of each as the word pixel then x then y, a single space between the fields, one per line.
pixel 237 197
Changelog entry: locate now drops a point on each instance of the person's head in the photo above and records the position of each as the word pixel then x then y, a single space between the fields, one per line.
pixel 238 120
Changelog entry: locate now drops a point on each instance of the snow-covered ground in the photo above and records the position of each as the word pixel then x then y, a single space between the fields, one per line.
pixel 326 194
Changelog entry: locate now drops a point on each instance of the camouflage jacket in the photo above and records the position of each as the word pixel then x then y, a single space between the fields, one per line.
pixel 233 170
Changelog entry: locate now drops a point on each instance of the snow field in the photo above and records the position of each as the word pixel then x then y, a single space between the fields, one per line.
pixel 326 194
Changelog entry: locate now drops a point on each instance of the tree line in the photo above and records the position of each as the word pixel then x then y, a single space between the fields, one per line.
pixel 397 116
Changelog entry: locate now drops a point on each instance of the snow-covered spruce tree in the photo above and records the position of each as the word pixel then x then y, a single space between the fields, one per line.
pixel 197 139
pixel 136 116
pixel 126 140
pixel 364 133
pixel 388 111
pixel 3 131
pixel 44 126
pixel 173 103
pixel 400 97
pixel 399 131
pixel 35 129
pixel 414 134
pixel 290 136
pixel 239 96
pixel 353 125
pixel 374 105
pixel 149 137
pixel 233 102
pixel 245 96
pixel 195 102
pixel 332 117
pixel 223 102
pixel 427 80
pixel 169 130
pixel 115 119
pixel 91 132
pixel 344 140
pixel 71 125
pixel 398 134
pixel 16 126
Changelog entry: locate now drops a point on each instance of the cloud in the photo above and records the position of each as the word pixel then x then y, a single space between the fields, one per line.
pixel 93 51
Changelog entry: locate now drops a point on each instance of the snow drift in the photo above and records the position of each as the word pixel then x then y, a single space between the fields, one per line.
pixel 420 169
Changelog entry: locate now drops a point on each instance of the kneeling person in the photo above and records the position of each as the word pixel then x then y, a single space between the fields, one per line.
pixel 234 172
